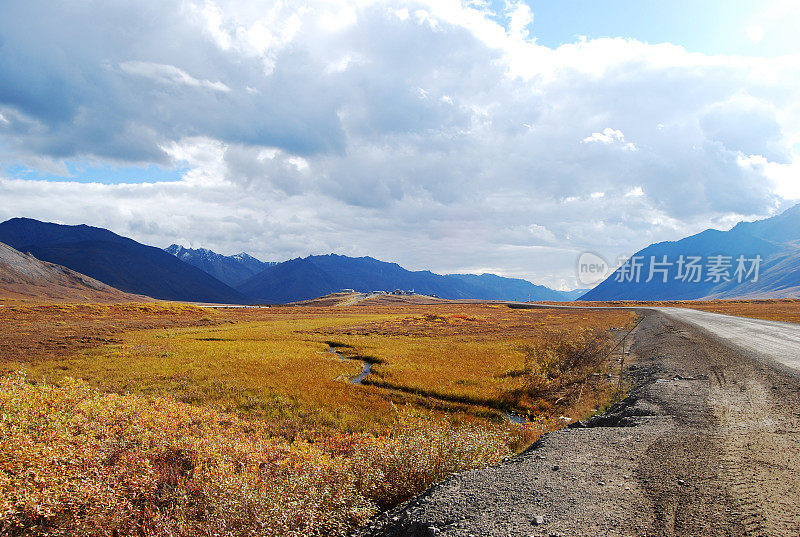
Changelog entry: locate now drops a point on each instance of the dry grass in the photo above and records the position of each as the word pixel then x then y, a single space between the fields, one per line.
pixel 559 367
pixel 450 357
pixel 465 353
pixel 34 333
pixel 189 421
pixel 771 310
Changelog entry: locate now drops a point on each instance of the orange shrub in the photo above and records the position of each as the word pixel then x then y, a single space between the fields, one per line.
pixel 74 461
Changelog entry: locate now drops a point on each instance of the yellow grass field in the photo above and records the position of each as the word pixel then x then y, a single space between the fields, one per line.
pixel 170 414
pixel 279 368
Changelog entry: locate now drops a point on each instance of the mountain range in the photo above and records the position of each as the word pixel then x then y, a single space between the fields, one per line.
pixel 752 260
pixel 768 249
pixel 201 275
pixel 116 261
pixel 232 270
pixel 313 276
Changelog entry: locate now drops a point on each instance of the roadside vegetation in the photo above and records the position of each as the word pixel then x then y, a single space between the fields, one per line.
pixel 168 419
pixel 79 462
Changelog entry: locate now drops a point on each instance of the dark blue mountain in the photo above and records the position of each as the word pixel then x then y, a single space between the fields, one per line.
pixel 117 261
pixel 230 269
pixel 290 281
pixel 313 276
pixel 775 240
pixel 493 287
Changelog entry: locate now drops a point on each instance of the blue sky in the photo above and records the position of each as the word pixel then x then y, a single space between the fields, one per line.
pixel 83 171
pixel 455 136
pixel 706 26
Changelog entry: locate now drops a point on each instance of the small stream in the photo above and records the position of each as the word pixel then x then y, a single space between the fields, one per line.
pixel 514 418
pixel 366 367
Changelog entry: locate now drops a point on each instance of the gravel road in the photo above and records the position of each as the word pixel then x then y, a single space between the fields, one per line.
pixel 708 443
pixel 771 340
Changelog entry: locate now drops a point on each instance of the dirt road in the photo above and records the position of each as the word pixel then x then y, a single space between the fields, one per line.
pixel 770 340
pixel 708 443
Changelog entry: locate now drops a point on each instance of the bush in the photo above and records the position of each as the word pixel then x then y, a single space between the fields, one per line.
pixel 557 360
pixel 74 461
pixel 418 452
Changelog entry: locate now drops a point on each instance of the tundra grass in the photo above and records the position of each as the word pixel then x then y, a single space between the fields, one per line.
pixel 279 368
pixel 169 419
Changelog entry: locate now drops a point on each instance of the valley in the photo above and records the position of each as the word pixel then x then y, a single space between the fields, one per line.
pixel 182 396
pixel 195 400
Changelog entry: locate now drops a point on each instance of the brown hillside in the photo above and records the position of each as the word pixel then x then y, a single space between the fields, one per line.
pixel 25 278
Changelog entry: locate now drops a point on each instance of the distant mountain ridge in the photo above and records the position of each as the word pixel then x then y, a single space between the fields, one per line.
pixel 776 241
pixel 200 275
pixel 232 270
pixel 314 276
pixel 116 261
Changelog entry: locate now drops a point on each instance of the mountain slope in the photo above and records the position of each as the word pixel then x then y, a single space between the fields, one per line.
pixel 117 261
pixel 313 276
pixel 23 277
pixel 493 287
pixel 290 281
pixel 232 270
pixel 776 240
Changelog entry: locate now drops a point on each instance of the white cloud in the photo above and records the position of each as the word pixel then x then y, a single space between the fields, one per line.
pixel 539 232
pixel 635 192
pixel 610 136
pixel 784 177
pixel 169 74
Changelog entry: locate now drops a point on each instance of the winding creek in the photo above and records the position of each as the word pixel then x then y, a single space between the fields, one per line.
pixel 366 369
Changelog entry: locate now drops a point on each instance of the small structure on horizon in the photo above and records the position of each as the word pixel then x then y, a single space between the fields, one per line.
pixel 402 292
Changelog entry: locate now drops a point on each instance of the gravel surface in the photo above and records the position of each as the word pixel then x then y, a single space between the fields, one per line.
pixel 770 340
pixel 706 444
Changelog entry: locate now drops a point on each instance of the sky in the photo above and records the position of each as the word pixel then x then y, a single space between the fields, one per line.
pixel 455 136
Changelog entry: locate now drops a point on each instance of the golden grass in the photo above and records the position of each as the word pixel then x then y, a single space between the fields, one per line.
pixel 189 421
pixel 464 353
pixel 278 369
pixel 772 310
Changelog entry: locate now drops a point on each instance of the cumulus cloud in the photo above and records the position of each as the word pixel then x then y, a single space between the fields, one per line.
pixel 435 134
pixel 610 136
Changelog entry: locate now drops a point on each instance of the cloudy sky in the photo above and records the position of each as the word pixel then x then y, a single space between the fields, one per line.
pixel 459 136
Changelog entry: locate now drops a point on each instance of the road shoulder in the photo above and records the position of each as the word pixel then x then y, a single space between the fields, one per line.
pixel 679 466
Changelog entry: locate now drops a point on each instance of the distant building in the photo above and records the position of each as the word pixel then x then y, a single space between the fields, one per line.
pixel 403 292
